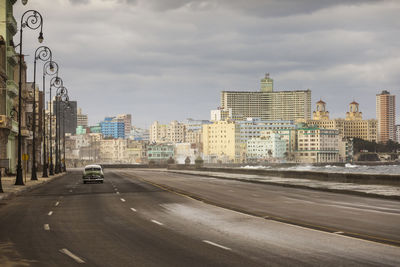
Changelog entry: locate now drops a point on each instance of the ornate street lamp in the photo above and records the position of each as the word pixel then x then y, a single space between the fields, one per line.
pixel 64 100
pixel 42 53
pixel 62 91
pixel 32 20
pixel 55 82
pixel 66 106
pixel 50 68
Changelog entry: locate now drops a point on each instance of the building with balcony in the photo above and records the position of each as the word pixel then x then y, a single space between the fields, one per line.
pixel 8 85
pixel 269 147
pixel 315 145
pixel 160 153
pixel 267 104
pixel 110 128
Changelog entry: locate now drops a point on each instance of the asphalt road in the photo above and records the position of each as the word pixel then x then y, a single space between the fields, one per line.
pixel 363 217
pixel 129 222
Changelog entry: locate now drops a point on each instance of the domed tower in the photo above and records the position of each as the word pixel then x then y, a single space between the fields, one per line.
pixel 267 84
pixel 354 113
pixel 320 113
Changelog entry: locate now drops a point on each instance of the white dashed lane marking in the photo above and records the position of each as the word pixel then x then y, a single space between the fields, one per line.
pixel 57 203
pixel 157 222
pixel 123 200
pixel 46 227
pixel 216 245
pixel 50 213
pixel 133 209
pixel 71 255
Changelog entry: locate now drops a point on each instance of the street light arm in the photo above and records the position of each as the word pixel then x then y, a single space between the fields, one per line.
pixel 33 20
pixel 43 53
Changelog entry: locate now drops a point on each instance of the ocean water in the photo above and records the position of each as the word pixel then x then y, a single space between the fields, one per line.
pixel 348 168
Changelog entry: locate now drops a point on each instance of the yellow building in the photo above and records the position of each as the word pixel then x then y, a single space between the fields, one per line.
pixel 352 126
pixel 221 141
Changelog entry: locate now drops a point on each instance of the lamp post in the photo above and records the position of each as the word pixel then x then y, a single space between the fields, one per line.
pixel 65 108
pixel 32 20
pixel 65 103
pixel 49 68
pixel 55 82
pixel 43 53
pixel 59 93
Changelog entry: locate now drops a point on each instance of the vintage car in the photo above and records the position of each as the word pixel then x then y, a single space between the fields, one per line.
pixel 93 173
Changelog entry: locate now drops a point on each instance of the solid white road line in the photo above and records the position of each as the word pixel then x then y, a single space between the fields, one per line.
pixel 50 213
pixel 339 233
pixel 215 244
pixel 71 255
pixel 123 200
pixel 57 203
pixel 46 227
pixel 133 209
pixel 157 222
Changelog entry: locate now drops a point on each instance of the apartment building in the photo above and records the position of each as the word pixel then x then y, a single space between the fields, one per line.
pixel 113 150
pixel 267 104
pixel 136 151
pixel 254 127
pixel 266 148
pixel 316 145
pixel 221 141
pixel 112 128
pixel 386 115
pixel 81 119
pixel 160 153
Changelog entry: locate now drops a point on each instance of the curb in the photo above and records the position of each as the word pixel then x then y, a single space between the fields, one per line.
pixel 331 190
pixel 10 195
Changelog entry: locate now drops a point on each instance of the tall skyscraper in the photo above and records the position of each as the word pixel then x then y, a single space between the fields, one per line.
pixel 70 115
pixel 386 116
pixel 268 104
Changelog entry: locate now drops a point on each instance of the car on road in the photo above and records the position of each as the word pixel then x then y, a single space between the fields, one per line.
pixel 93 173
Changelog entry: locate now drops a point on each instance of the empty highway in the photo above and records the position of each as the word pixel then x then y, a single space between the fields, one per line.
pixel 150 218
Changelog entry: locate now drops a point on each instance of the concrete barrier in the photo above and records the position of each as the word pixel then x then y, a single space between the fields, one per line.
pixel 360 178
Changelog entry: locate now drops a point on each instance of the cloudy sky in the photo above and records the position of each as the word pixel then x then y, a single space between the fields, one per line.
pixel 169 59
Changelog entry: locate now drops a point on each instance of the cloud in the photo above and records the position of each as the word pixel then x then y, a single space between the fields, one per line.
pixel 166 60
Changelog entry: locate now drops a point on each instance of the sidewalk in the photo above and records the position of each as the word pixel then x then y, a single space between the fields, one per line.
pixel 380 191
pixel 10 189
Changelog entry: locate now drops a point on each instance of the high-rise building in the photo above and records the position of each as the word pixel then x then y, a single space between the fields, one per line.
pixel 268 104
pixel 67 113
pixel 113 128
pixel 386 116
pixel 398 133
pixel 127 120
pixel 81 119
